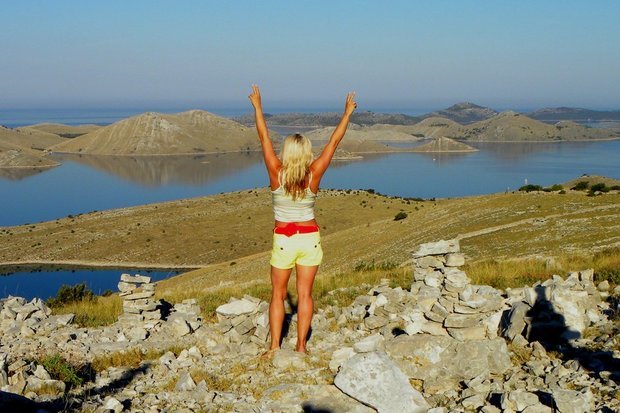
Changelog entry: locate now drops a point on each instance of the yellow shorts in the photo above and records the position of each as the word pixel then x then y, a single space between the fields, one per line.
pixel 302 249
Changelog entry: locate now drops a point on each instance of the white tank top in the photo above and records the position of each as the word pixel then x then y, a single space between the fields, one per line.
pixel 286 209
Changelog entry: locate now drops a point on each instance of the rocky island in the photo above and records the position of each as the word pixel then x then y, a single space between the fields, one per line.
pixel 443 144
pixel 192 132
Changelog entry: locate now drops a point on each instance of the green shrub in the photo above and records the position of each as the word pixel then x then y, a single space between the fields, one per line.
pixel 61 369
pixel 599 187
pixel 556 187
pixel 581 186
pixel 562 192
pixel 530 188
pixel 364 266
pixel 400 215
pixel 70 294
pixel 615 188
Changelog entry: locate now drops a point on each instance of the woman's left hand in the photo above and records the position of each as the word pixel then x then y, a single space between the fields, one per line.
pixel 350 105
pixel 255 97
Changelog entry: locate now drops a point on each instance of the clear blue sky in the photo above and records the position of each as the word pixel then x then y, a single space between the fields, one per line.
pixel 427 54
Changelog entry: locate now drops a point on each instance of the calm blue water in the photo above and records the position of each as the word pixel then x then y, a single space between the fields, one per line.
pixel 85 184
pixel 45 283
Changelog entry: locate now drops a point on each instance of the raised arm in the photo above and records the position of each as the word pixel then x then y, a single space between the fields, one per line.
pixel 320 164
pixel 271 160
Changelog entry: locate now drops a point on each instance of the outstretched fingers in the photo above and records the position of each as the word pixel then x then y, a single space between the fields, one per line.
pixel 350 104
pixel 255 96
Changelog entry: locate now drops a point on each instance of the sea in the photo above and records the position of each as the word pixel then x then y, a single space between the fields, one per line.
pixel 84 184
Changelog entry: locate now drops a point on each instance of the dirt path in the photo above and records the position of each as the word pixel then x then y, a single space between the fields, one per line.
pixel 532 220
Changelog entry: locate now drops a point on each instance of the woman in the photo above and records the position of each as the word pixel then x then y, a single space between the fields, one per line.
pixel 294 179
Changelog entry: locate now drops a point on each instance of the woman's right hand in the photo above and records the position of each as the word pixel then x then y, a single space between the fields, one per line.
pixel 350 105
pixel 255 97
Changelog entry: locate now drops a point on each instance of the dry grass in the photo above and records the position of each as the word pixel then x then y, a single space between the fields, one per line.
pixel 93 313
pixel 217 382
pixel 192 232
pixel 519 355
pixel 519 272
pixel 500 234
pixel 132 357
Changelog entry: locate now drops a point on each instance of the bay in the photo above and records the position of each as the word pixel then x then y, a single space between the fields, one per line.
pixel 83 184
pixel 44 283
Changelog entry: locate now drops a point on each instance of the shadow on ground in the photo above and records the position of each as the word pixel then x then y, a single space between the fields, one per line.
pixel 10 402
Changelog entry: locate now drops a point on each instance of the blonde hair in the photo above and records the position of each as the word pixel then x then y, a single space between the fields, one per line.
pixel 296 156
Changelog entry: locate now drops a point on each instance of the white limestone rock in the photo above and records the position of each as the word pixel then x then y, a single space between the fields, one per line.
pixel 437 248
pixel 340 356
pixel 374 379
pixel 455 260
pixel 185 382
pixel 111 403
pixel 368 344
pixel 135 279
pixel 284 359
pixel 237 307
pixel 572 401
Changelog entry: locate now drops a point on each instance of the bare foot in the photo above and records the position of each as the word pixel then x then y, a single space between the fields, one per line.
pixel 268 355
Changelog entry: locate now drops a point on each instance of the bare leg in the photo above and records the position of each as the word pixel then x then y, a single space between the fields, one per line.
pixel 279 281
pixel 305 306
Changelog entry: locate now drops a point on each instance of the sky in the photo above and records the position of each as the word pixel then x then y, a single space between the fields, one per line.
pixel 393 54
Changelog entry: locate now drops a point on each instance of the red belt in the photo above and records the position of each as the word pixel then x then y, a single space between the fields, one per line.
pixel 292 228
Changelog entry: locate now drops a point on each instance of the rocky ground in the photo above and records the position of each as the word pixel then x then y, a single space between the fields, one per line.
pixel 444 345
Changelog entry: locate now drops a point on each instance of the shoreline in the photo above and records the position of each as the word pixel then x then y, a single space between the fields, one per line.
pixel 90 265
pixel 153 154
pixel 30 166
pixel 320 141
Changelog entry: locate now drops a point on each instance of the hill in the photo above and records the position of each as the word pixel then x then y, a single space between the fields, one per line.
pixel 192 132
pixel 324 119
pixel 464 113
pixel 592 180
pixel 574 114
pixel 435 127
pixel 371 133
pixel 13 156
pixel 513 127
pixel 357 140
pixel 444 144
pixel 64 131
pixel 29 138
pixel 357 227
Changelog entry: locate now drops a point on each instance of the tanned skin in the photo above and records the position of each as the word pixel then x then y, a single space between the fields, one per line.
pixel 305 274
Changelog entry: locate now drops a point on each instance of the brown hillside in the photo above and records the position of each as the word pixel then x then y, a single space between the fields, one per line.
pixel 444 144
pixel 592 180
pixel 513 127
pixel 364 133
pixel 504 127
pixel 29 138
pixel 191 132
pixel 64 131
pixel 13 156
pixel 436 127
